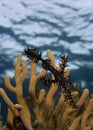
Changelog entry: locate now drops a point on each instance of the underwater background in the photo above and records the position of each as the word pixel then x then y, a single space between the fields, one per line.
pixel 64 26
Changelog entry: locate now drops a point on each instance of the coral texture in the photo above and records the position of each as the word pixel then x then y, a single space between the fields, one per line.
pixel 45 109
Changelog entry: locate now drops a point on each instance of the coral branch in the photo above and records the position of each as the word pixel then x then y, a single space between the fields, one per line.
pixel 8 84
pixel 85 116
pixel 75 123
pixel 8 102
pixel 19 76
pixel 83 97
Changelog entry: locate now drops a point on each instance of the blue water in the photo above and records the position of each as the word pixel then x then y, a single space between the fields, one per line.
pixel 64 26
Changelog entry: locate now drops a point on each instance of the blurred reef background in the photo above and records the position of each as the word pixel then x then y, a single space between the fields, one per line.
pixel 64 26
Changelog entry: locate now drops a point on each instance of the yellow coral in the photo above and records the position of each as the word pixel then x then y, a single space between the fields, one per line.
pixel 47 115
